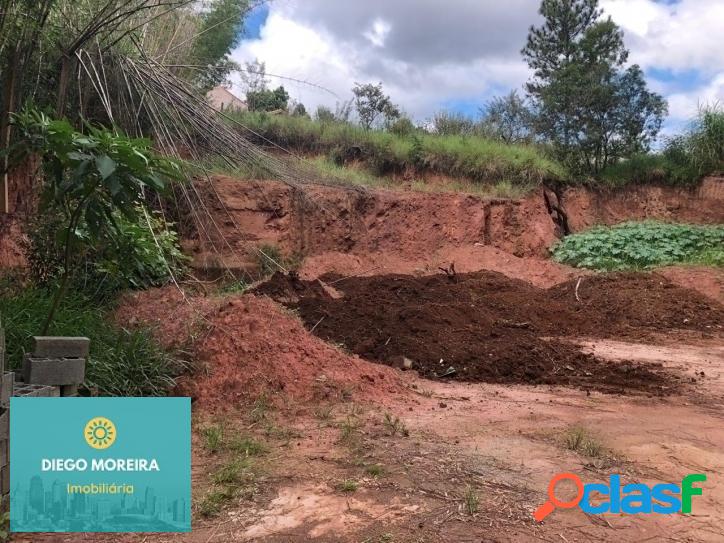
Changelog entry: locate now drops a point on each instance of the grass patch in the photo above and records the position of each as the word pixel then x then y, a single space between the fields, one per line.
pixel 685 159
pixel 374 470
pixel 471 157
pixel 236 476
pixel 641 245
pixel 121 363
pixel 580 440
pixel 270 259
pixel 348 485
pixel 395 426
pixel 471 502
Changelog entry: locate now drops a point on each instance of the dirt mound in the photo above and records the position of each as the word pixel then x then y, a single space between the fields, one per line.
pixel 246 346
pixel 634 305
pixel 485 327
pixel 707 281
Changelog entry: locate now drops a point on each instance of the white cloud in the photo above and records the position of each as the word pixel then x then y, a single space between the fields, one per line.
pixel 428 54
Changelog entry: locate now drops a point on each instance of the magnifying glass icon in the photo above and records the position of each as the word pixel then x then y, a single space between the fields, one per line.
pixel 548 507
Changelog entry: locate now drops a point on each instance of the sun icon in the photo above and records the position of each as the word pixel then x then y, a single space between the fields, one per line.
pixel 100 433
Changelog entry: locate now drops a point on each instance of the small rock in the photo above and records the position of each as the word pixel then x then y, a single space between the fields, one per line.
pixel 443 405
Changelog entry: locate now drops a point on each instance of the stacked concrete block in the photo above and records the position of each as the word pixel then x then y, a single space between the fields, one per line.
pixel 57 362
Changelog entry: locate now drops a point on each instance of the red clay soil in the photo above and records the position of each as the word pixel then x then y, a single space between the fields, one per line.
pixel 490 328
pixel 246 346
pixel 707 281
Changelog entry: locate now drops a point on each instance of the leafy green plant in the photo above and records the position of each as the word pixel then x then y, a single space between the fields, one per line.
pixel 142 254
pixel 640 245
pixel 90 178
pixel 121 363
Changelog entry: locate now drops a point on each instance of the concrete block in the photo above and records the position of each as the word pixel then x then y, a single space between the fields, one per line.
pixel 60 347
pixel 69 390
pixel 7 382
pixel 21 389
pixel 5 424
pixel 5 480
pixel 53 371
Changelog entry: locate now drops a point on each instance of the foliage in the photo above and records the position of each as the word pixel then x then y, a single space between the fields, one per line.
pixel 686 158
pixel 648 244
pixel 593 110
pixel 142 254
pixel 508 118
pixel 267 99
pixel 90 179
pixel 476 159
pixel 372 104
pixel 451 123
pixel 219 32
pixel 121 362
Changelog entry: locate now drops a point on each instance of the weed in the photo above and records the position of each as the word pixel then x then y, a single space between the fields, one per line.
pixel 230 473
pixel 213 501
pixel 121 362
pixel 248 446
pixel 374 470
pixel 350 431
pixel 580 440
pixel 324 413
pixel 471 501
pixel 270 259
pixel 213 437
pixel 348 485
pixel 395 426
pixel 260 409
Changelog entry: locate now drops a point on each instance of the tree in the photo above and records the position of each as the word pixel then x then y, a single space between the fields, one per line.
pixel 592 109
pixel 219 32
pixel 324 115
pixel 298 110
pixel 253 76
pixel 451 123
pixel 89 179
pixel 507 118
pixel 268 100
pixel 372 103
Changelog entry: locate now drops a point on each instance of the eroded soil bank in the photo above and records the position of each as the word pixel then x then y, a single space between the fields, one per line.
pixel 358 231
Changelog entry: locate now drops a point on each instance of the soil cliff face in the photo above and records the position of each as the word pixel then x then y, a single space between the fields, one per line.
pixel 423 228
pixel 703 204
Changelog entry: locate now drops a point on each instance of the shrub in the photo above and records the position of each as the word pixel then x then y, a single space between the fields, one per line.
pixel 121 362
pixel 143 252
pixel 642 245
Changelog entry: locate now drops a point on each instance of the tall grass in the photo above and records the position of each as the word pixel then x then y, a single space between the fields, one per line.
pixel 121 362
pixel 471 157
pixel 685 159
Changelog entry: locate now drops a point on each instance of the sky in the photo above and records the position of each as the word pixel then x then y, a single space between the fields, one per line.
pixel 456 55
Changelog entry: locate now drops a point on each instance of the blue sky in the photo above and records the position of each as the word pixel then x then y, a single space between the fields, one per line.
pixel 457 55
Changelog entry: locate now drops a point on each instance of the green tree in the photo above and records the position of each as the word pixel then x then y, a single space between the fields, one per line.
pixel 372 104
pixel 268 100
pixel 219 32
pixel 507 118
pixel 89 179
pixel 588 105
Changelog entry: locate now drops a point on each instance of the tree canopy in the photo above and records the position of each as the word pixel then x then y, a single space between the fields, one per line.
pixel 592 108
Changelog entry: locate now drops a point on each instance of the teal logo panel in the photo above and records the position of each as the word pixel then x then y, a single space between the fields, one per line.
pixel 100 464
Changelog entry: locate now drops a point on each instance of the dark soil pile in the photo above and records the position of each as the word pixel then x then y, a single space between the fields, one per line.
pixel 486 327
